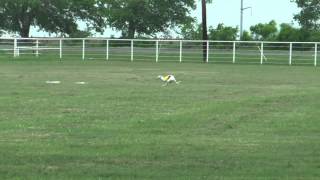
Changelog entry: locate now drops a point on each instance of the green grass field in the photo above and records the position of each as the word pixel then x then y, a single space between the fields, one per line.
pixel 223 122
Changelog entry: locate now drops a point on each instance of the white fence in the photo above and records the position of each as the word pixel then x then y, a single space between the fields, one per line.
pixel 290 53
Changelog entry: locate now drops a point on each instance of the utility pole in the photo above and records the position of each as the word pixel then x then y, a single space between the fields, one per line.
pixel 204 30
pixel 241 18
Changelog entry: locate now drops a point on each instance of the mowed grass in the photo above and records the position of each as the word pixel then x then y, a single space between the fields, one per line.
pixel 223 122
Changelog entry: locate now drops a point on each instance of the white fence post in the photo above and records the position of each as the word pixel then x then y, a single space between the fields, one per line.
pixel 290 55
pixel 315 54
pixel 107 50
pixel 208 46
pixel 261 51
pixel 131 50
pixel 157 50
pixel 180 51
pixel 234 52
pixel 37 48
pixel 60 50
pixel 83 48
pixel 15 48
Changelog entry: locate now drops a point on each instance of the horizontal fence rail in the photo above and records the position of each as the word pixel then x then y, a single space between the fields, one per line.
pixel 256 52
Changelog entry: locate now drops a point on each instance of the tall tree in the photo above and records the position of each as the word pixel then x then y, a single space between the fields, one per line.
pixel 290 33
pixel 267 31
pixel 309 15
pixel 58 16
pixel 147 16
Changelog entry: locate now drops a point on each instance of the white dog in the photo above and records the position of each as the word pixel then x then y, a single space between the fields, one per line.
pixel 168 79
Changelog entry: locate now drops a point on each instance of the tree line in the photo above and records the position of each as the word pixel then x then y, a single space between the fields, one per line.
pixel 136 18
pixel 260 32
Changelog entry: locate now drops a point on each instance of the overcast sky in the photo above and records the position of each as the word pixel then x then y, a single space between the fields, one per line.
pixel 263 11
pixel 228 12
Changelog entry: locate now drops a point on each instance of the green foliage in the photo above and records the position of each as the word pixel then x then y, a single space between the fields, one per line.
pixel 191 31
pixel 267 31
pixel 309 15
pixel 246 36
pixel 222 32
pixel 147 16
pixel 314 36
pixel 289 33
pixel 194 31
pixel 308 18
pixel 80 34
pixel 58 16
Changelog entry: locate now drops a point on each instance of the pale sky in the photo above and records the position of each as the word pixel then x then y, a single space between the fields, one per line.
pixel 263 11
pixel 228 12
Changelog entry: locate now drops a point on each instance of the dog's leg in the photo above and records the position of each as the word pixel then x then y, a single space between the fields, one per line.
pixel 177 82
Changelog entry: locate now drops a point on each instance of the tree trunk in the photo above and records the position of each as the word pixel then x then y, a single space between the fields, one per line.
pixel 24 31
pixel 204 30
pixel 24 19
pixel 131 30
